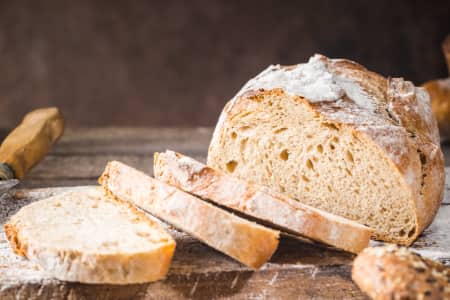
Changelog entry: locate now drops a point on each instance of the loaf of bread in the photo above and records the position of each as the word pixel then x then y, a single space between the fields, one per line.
pixel 87 237
pixel 439 90
pixel 333 135
pixel 259 202
pixel 392 272
pixel 245 241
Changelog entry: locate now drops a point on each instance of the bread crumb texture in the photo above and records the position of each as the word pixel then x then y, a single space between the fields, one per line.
pixel 85 236
pixel 333 135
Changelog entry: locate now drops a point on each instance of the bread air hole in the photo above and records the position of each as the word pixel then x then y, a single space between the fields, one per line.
pixel 243 144
pixel 244 128
pixel 284 155
pixel 348 172
pixel 330 126
pixel 233 135
pixel 279 130
pixel 320 148
pixel 349 156
pixel 309 164
pixel 231 166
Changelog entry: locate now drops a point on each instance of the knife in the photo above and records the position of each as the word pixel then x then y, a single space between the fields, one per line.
pixel 26 145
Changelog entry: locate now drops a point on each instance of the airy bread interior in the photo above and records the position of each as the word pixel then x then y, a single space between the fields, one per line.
pixel 86 236
pixel 280 141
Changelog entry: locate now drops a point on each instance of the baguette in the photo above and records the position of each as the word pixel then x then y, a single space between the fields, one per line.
pixel 87 237
pixel 338 137
pixel 247 242
pixel 280 211
pixel 392 272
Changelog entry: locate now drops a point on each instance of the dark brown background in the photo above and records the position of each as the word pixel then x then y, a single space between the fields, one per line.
pixel 175 63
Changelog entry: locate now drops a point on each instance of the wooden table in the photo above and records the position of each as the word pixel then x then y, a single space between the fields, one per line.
pixel 298 270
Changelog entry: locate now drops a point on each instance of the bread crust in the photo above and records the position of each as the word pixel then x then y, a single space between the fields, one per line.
pixel 401 112
pixel 93 267
pixel 279 210
pixel 245 241
pixel 439 90
pixel 391 272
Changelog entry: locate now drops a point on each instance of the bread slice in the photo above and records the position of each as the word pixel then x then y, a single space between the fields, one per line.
pixel 88 237
pixel 333 135
pixel 245 241
pixel 392 272
pixel 279 210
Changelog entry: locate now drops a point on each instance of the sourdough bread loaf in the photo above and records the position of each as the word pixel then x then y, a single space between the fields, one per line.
pixel 391 272
pixel 260 202
pixel 245 241
pixel 88 237
pixel 333 135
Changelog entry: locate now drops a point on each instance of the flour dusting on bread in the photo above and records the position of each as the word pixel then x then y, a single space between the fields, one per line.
pixel 311 80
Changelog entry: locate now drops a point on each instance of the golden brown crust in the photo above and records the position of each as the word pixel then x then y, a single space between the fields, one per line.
pixel 18 245
pixel 391 272
pixel 247 242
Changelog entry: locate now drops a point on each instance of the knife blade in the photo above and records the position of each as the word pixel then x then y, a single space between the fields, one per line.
pixel 27 144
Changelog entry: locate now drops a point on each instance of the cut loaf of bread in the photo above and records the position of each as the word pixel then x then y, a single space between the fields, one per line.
pixel 333 135
pixel 391 272
pixel 260 202
pixel 245 241
pixel 88 237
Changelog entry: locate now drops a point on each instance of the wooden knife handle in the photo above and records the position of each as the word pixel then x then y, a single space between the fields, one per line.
pixel 26 145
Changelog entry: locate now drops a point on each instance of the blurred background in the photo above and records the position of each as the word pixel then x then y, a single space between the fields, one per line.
pixel 176 63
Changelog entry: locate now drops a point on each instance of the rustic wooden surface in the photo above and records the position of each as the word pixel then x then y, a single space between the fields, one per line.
pixel 298 270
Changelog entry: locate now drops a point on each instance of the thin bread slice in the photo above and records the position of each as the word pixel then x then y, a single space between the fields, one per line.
pixel 392 272
pixel 88 237
pixel 260 202
pixel 245 241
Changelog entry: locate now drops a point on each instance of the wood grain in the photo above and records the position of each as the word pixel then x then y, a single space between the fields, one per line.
pixel 298 270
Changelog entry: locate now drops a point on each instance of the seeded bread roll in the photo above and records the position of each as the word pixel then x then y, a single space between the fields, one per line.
pixel 245 241
pixel 391 272
pixel 87 237
pixel 333 135
pixel 279 210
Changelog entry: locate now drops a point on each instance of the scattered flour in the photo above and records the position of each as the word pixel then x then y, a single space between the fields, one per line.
pixel 313 81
